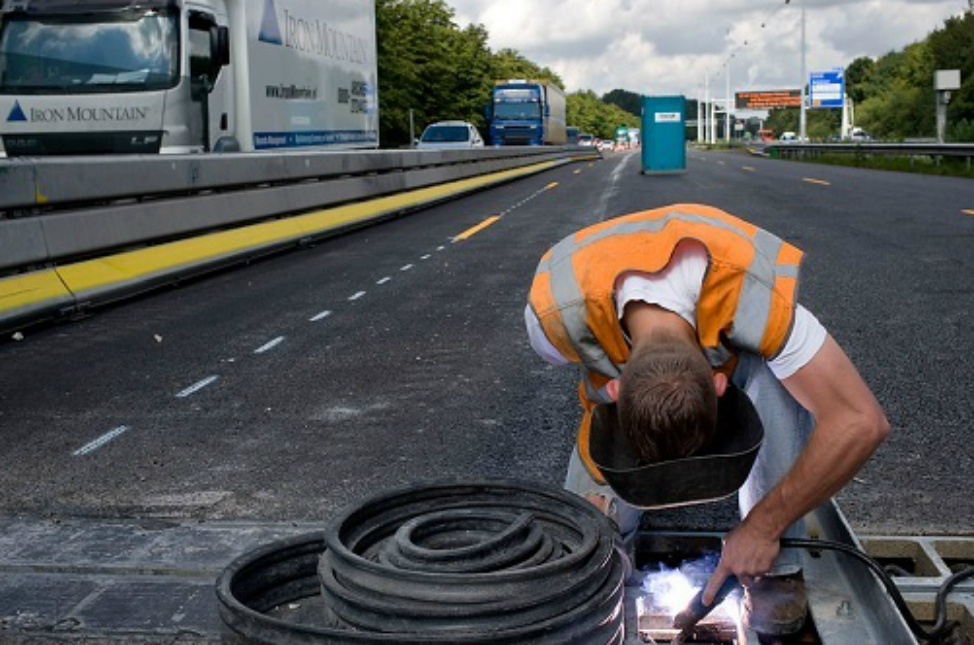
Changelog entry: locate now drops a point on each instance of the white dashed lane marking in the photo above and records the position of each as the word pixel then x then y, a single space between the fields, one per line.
pixel 196 387
pixel 266 347
pixel 321 316
pixel 92 446
pixel 357 296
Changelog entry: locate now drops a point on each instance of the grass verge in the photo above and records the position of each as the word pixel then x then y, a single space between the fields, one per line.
pixel 947 166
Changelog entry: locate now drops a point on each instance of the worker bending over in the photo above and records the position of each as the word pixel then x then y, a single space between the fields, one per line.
pixel 667 309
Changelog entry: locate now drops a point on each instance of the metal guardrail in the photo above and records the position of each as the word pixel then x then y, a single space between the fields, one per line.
pixel 83 230
pixel 800 150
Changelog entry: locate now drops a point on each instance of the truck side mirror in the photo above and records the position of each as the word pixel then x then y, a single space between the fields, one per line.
pixel 223 45
pixel 219 50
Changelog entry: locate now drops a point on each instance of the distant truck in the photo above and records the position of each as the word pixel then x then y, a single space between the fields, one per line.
pixel 186 76
pixel 527 113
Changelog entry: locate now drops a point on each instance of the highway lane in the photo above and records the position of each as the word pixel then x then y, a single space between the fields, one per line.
pixel 396 353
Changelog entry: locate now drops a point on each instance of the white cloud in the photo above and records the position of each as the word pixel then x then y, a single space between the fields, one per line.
pixel 668 46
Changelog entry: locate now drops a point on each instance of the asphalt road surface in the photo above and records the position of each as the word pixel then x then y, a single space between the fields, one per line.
pixel 284 390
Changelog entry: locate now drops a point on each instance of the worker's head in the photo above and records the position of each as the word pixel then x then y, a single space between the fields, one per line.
pixel 667 399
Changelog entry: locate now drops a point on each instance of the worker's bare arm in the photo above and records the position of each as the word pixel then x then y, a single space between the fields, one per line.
pixel 849 427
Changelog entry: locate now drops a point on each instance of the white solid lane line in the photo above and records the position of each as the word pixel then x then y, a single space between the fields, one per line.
pixel 192 389
pixel 270 345
pixel 100 441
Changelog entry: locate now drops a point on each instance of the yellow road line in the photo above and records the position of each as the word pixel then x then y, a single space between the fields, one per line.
pixel 84 279
pixel 21 291
pixel 970 212
pixel 820 182
pixel 749 168
pixel 470 232
pixel 553 184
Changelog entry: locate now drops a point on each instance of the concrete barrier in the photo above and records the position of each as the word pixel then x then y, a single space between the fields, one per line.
pixel 86 233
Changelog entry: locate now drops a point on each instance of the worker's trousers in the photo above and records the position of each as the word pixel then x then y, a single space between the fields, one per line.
pixel 787 426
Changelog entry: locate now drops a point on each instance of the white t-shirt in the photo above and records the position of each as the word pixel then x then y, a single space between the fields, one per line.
pixel 677 289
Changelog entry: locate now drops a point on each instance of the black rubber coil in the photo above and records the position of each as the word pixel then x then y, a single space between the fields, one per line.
pixel 448 562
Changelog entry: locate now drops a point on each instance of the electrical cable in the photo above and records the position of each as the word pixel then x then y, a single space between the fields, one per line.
pixel 940 627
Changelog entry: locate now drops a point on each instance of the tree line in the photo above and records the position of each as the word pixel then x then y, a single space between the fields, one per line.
pixel 894 94
pixel 440 71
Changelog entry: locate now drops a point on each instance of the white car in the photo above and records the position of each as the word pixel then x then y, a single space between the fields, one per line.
pixel 788 136
pixel 450 135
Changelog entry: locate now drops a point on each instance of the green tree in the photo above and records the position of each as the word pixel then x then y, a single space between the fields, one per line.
pixel 858 75
pixel 782 120
pixel 432 67
pixel 592 115
pixel 901 101
pixel 626 100
pixel 427 64
pixel 510 64
pixel 952 47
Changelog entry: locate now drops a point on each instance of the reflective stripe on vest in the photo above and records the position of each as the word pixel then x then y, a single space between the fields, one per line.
pixel 597 395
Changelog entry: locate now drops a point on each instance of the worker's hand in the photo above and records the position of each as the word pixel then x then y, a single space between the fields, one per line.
pixel 748 553
pixel 600 502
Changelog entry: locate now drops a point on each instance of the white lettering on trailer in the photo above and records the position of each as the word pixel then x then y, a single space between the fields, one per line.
pixel 317 37
pixel 87 114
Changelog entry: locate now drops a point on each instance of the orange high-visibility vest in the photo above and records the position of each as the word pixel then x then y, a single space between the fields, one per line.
pixel 747 300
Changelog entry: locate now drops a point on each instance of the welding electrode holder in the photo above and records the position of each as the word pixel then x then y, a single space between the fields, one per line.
pixel 696 611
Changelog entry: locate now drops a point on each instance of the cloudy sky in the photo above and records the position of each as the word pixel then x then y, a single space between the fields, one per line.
pixel 669 46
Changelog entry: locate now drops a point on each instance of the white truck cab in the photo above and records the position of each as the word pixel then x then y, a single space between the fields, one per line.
pixel 186 76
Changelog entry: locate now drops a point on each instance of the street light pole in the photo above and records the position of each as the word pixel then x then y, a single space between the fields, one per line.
pixel 727 117
pixel 702 120
pixel 803 121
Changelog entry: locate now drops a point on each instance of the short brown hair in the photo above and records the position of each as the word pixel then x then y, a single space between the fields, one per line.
pixel 667 400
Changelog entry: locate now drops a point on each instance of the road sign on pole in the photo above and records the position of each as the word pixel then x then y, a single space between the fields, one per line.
pixel 827 89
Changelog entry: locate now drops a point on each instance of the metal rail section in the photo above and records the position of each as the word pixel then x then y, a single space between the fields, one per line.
pixel 80 231
pixel 792 150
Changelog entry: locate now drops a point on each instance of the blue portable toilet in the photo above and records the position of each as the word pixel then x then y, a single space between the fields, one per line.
pixel 664 134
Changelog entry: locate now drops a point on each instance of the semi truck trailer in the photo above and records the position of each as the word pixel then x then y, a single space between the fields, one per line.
pixel 186 76
pixel 527 113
